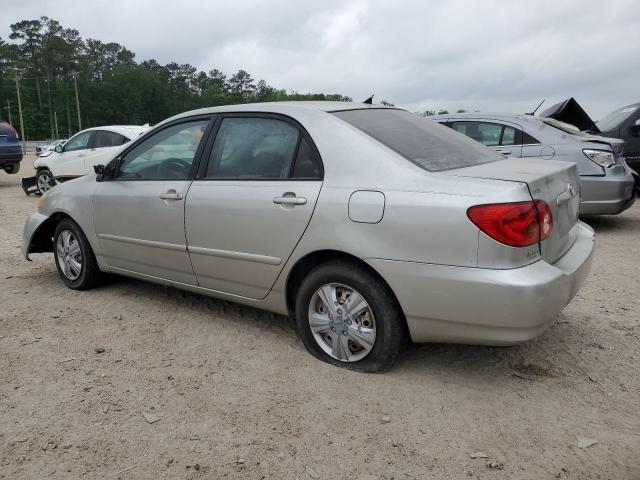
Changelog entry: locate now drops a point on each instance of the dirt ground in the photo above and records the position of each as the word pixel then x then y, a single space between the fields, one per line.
pixel 235 394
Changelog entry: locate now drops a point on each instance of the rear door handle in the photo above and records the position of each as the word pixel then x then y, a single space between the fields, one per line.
pixel 171 195
pixel 504 152
pixel 290 200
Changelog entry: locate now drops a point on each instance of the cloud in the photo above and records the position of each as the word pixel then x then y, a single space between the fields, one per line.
pixel 494 55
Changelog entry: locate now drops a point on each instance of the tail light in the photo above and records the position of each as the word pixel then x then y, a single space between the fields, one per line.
pixel 517 224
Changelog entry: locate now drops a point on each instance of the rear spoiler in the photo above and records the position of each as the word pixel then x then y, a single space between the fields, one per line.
pixel 569 111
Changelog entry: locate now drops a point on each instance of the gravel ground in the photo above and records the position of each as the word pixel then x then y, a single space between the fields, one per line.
pixel 235 394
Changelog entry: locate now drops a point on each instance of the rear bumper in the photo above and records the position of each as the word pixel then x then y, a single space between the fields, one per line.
pixel 10 158
pixel 486 306
pixel 608 195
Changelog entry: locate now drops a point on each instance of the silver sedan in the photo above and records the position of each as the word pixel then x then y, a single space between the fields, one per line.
pixel 368 225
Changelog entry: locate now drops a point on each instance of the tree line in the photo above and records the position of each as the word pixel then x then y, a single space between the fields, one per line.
pixel 51 63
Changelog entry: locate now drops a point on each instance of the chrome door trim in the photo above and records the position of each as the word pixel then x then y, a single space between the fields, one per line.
pixel 146 243
pixel 249 257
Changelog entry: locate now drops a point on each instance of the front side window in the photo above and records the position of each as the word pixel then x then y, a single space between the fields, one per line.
pixel 167 155
pixel 104 139
pixel 79 142
pixel 247 147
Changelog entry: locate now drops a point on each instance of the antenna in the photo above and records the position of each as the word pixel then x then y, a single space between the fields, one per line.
pixel 536 109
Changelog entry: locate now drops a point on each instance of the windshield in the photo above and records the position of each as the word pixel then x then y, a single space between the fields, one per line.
pixel 615 118
pixel 424 142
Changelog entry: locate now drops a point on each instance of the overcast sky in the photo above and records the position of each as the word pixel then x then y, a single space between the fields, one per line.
pixel 493 56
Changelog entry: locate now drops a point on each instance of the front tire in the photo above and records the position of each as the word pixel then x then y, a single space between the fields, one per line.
pixel 45 180
pixel 75 261
pixel 348 317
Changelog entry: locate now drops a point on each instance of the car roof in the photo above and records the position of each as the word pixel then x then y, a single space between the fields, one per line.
pixel 285 108
pixel 506 117
pixel 121 129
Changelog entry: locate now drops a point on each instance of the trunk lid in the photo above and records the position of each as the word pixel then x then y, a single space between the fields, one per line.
pixel 556 183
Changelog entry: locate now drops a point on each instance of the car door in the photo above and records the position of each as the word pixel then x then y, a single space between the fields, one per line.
pixel 139 214
pixel 70 162
pixel 497 135
pixel 103 147
pixel 251 203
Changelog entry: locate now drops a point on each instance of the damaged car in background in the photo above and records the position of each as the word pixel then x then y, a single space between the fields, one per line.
pixel 367 225
pixel 622 123
pixel 607 184
pixel 77 156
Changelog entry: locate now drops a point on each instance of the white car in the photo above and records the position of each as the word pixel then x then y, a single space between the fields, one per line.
pixel 81 152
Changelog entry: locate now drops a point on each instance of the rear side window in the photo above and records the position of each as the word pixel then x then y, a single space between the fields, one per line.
pixel 104 138
pixel 529 140
pixel 308 164
pixel 426 143
pixel 248 147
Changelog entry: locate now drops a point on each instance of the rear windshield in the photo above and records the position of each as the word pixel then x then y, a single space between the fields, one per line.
pixel 426 143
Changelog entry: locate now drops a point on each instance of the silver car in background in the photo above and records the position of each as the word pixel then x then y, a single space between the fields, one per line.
pixel 367 225
pixel 607 183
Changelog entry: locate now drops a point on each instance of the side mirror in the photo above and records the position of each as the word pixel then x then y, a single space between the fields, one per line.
pixel 58 148
pixel 108 171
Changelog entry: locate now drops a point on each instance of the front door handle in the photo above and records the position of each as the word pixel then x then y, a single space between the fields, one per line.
pixel 289 200
pixel 504 152
pixel 171 195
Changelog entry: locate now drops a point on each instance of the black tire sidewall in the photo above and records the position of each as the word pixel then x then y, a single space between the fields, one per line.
pixel 390 327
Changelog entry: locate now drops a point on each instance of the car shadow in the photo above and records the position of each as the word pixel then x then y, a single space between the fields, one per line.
pixel 529 361
pixel 613 223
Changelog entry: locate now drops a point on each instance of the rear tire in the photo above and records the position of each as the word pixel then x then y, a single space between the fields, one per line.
pixel 13 169
pixel 364 329
pixel 75 261
pixel 45 180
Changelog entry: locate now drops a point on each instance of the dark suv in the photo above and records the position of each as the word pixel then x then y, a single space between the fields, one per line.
pixel 10 148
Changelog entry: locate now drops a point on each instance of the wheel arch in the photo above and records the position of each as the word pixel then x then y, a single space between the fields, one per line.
pixel 42 239
pixel 311 260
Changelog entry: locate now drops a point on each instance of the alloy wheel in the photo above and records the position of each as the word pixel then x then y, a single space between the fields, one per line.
pixel 45 182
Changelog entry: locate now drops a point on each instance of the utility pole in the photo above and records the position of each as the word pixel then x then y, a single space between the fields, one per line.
pixel 55 120
pixel 75 86
pixel 20 110
pixel 8 107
